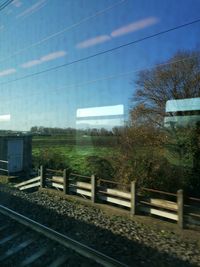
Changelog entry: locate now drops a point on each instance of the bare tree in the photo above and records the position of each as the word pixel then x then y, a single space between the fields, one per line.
pixel 176 79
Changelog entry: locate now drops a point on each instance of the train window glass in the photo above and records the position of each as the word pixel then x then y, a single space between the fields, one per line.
pixel 101 88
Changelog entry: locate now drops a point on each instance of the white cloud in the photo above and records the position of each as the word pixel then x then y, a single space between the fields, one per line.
pixel 7 72
pixel 135 26
pixel 93 41
pixel 32 9
pixel 44 58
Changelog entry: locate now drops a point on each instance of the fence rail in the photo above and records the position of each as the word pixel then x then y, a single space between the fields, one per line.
pixel 113 182
pixel 34 182
pixel 194 199
pixel 158 191
pixel 177 210
pixel 2 169
pixel 79 175
pixel 51 170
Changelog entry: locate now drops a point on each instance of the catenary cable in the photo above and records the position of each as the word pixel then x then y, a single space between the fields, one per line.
pixel 114 76
pixel 103 52
pixel 53 35
pixel 5 4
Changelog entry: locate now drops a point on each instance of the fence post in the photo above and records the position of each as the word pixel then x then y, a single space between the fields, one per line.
pixel 65 182
pixel 133 198
pixel 42 178
pixel 93 188
pixel 180 205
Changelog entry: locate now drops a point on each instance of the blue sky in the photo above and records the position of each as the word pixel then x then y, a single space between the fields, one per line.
pixel 39 34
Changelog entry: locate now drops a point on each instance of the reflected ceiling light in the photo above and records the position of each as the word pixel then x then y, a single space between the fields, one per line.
pixel 188 104
pixel 101 122
pixel 5 117
pixel 100 111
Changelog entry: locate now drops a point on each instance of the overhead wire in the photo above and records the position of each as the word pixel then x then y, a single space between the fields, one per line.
pixel 49 37
pixel 118 75
pixel 103 52
pixel 5 4
pixel 123 74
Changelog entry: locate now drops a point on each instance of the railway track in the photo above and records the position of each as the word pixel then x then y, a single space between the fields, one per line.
pixel 24 242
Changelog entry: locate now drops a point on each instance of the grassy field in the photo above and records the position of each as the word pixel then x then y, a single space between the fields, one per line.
pixel 75 150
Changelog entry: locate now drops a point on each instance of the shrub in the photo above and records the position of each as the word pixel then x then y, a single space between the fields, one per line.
pixel 100 167
pixel 50 158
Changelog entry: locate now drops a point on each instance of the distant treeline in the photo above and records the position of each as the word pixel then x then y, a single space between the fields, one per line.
pixel 40 130
pixel 11 133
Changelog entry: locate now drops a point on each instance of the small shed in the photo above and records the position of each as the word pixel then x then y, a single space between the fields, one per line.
pixel 17 151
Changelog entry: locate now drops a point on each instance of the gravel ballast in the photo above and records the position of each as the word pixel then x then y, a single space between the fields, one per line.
pixel 50 250
pixel 127 240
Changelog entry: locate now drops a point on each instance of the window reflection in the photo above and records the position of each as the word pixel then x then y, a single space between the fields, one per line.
pixel 184 112
pixel 4 118
pixel 100 117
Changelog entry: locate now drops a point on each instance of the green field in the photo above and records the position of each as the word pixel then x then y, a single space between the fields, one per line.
pixel 75 150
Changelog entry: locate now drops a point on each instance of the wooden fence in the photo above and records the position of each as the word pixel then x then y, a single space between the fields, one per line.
pixel 157 203
pixel 172 206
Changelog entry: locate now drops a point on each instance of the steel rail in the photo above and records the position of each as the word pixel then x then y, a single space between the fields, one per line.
pixel 66 241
